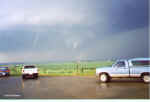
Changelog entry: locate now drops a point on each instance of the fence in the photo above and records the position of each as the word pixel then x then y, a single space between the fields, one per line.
pixel 64 68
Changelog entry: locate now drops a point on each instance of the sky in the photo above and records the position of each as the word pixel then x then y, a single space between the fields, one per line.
pixel 54 30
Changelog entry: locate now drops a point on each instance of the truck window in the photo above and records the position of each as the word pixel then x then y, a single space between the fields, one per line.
pixel 120 64
pixel 26 67
pixel 141 63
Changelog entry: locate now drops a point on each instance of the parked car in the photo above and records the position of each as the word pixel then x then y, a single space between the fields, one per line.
pixel 133 68
pixel 4 71
pixel 29 71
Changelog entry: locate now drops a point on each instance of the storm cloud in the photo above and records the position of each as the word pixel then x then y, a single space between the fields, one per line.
pixel 36 30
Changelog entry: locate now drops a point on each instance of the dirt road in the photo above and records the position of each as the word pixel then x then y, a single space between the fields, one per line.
pixel 72 88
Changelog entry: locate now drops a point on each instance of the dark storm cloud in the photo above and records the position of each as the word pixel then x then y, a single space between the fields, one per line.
pixel 73 29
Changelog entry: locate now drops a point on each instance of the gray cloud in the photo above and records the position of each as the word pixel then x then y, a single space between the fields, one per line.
pixel 75 29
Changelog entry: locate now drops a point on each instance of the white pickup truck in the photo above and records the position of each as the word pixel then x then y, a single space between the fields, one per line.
pixel 133 68
pixel 29 71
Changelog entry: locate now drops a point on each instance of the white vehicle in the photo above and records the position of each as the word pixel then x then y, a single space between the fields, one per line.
pixel 29 71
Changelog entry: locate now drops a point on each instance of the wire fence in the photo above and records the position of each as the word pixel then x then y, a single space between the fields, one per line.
pixel 64 68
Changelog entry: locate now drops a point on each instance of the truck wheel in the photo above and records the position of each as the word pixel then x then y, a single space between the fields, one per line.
pixel 104 78
pixel 35 77
pixel 23 76
pixel 146 78
pixel 7 74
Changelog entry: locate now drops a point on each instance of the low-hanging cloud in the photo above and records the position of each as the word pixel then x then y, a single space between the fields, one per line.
pixel 70 30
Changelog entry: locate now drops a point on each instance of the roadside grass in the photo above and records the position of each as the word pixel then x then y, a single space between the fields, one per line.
pixel 64 69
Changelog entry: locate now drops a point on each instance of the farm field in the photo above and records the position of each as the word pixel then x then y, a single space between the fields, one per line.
pixel 64 69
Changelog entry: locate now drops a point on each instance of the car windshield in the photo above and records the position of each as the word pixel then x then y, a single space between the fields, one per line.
pixel 141 63
pixel 29 66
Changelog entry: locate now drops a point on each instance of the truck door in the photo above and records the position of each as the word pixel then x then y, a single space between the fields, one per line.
pixel 120 69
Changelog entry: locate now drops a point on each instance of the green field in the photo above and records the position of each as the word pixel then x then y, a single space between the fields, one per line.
pixel 64 69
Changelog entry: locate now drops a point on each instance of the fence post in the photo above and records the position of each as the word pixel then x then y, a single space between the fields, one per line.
pixel 82 70
pixel 77 67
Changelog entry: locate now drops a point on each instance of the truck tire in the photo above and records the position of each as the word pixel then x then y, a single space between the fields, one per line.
pixel 35 77
pixel 7 74
pixel 146 78
pixel 104 77
pixel 23 76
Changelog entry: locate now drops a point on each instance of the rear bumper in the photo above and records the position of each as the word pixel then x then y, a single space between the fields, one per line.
pixel 32 74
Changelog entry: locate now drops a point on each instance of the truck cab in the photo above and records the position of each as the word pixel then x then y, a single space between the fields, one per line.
pixel 120 69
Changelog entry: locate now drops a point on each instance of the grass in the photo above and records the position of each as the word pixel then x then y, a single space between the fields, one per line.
pixel 64 69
